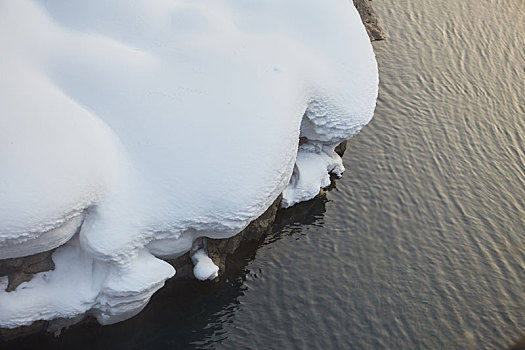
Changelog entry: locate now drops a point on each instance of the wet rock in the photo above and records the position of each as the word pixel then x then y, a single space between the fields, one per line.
pixel 519 345
pixel 341 148
pixel 10 334
pixel 219 249
pixel 369 18
pixel 19 270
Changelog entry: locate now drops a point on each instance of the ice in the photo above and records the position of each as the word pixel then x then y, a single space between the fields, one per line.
pixel 130 130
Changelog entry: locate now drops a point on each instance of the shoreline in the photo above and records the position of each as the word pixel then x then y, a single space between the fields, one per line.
pixel 19 270
pixel 369 18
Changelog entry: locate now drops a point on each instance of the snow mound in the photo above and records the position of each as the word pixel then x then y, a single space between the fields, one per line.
pixel 130 130
pixel 204 268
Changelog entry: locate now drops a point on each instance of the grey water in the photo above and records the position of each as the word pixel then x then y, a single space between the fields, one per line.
pixel 421 245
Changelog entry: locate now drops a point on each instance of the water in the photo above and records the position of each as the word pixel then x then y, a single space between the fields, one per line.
pixel 422 243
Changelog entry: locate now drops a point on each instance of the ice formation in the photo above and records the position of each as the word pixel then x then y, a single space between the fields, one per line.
pixel 128 130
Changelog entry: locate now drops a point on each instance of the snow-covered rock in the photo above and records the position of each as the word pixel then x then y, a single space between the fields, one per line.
pixel 143 126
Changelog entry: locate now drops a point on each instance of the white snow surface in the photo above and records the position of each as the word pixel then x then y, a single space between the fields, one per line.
pixel 204 268
pixel 313 165
pixel 137 127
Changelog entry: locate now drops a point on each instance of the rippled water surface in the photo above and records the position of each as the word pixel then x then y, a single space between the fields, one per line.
pixel 422 243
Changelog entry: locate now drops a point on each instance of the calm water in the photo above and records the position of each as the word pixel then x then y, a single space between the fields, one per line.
pixel 422 243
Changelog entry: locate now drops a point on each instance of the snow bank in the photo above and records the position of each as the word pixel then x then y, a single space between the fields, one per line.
pixel 143 126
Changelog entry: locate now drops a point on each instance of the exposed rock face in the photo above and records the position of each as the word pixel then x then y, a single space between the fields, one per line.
pixel 369 19
pixel 20 270
pixel 519 345
pixel 219 249
pixel 341 148
pixel 10 334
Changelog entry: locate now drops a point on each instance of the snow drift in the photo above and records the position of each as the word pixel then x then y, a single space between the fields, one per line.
pixel 128 130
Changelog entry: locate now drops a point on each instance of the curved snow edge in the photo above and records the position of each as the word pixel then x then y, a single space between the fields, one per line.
pixel 114 293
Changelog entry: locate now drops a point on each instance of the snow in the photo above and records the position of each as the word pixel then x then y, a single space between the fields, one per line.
pixel 131 130
pixel 313 165
pixel 23 246
pixel 204 268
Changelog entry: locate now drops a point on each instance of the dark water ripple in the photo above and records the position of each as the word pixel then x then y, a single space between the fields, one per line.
pixel 422 243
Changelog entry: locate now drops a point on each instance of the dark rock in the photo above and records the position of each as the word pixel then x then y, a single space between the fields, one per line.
pixel 341 148
pixel 519 345
pixel 219 249
pixel 302 140
pixel 369 18
pixel 54 327
pixel 10 334
pixel 20 270
pixel 183 267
